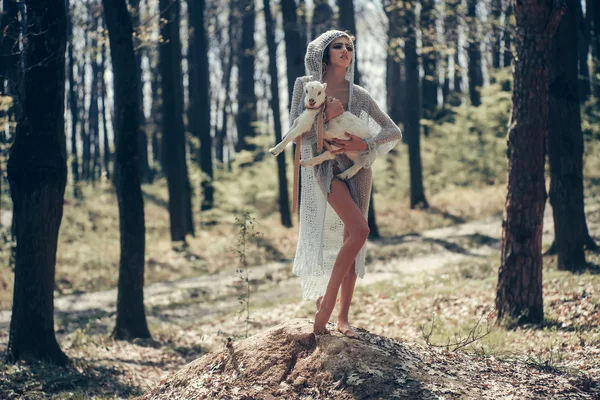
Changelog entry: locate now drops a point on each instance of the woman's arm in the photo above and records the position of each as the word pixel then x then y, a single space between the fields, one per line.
pixel 388 136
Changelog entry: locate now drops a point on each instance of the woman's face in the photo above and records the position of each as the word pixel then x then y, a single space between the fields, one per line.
pixel 341 52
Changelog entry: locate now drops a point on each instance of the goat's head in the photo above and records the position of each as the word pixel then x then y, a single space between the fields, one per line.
pixel 314 94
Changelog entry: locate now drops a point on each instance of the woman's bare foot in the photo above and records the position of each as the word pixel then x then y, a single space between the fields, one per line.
pixel 345 329
pixel 321 318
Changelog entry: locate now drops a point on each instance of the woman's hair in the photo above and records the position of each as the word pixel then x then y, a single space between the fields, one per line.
pixel 326 52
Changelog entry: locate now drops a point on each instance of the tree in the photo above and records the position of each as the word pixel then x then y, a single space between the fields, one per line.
pixel 583 38
pixel 295 44
pixel 565 146
pixel 593 8
pixel 246 115
pixel 519 290
pixel 347 22
pixel 73 108
pixel 394 83
pixel 146 171
pixel 37 172
pixel 474 52
pixel 199 97
pixel 322 18
pixel 429 83
pixel 173 145
pixel 131 317
pixel 284 204
pixel 411 124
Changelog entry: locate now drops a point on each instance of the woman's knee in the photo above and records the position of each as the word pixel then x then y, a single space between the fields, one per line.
pixel 361 231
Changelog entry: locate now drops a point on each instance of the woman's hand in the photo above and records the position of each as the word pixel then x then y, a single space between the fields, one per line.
pixel 353 144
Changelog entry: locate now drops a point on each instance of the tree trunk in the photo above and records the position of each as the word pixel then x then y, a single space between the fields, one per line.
pixel 594 10
pixel 519 291
pixel 131 317
pixel 394 82
pixel 93 120
pixel 86 153
pixel 172 122
pixel 412 128
pixel 73 108
pixel 322 18
pixel 221 139
pixel 347 22
pixel 105 141
pixel 565 146
pixel 157 114
pixel 583 37
pixel 199 98
pixel 145 170
pixel 284 204
pixel 429 83
pixel 496 37
pixel 474 52
pixel 508 30
pixel 37 172
pixel 295 45
pixel 246 96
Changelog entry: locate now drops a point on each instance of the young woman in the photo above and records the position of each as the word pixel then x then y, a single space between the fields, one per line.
pixel 333 214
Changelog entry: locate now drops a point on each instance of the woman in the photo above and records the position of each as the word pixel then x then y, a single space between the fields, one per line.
pixel 333 214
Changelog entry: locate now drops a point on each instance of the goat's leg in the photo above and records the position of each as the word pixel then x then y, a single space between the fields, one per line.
pixel 294 132
pixel 359 162
pixel 311 162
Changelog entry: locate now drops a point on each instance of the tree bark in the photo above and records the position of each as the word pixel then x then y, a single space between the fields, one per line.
pixel 221 139
pixel 583 38
pixel 73 108
pixel 430 82
pixel 508 30
pixel 395 85
pixel 131 317
pixel 594 10
pixel 496 37
pixel 105 141
pixel 565 146
pixel 199 98
pixel 322 18
pixel 474 52
pixel 519 290
pixel 412 127
pixel 93 120
pixel 295 45
pixel 145 170
pixel 37 172
pixel 172 123
pixel 284 204
pixel 347 22
pixel 246 96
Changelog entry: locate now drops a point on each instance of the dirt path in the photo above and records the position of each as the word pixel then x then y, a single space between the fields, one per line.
pixel 397 256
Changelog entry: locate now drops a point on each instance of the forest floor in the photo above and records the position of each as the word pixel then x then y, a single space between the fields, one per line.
pixel 440 280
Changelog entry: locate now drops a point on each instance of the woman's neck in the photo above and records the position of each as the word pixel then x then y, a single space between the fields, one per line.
pixel 335 76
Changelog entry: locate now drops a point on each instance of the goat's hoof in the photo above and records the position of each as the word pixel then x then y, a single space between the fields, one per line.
pixel 343 176
pixel 274 151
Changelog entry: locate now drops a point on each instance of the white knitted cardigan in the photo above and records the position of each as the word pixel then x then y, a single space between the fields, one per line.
pixel 321 231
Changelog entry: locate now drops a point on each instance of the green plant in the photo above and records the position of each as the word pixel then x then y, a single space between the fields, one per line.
pixel 245 227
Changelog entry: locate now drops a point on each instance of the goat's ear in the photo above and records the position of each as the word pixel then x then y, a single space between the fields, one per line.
pixel 324 86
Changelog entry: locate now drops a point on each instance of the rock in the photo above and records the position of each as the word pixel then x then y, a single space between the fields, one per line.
pixel 289 362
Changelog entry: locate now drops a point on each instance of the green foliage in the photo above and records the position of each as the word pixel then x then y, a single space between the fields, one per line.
pixel 470 145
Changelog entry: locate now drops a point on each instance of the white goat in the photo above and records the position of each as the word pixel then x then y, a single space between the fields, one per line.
pixel 347 122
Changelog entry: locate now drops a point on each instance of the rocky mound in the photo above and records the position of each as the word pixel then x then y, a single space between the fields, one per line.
pixel 289 362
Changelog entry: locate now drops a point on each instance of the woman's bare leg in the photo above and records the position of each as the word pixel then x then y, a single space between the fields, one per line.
pixel 358 230
pixel 346 298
